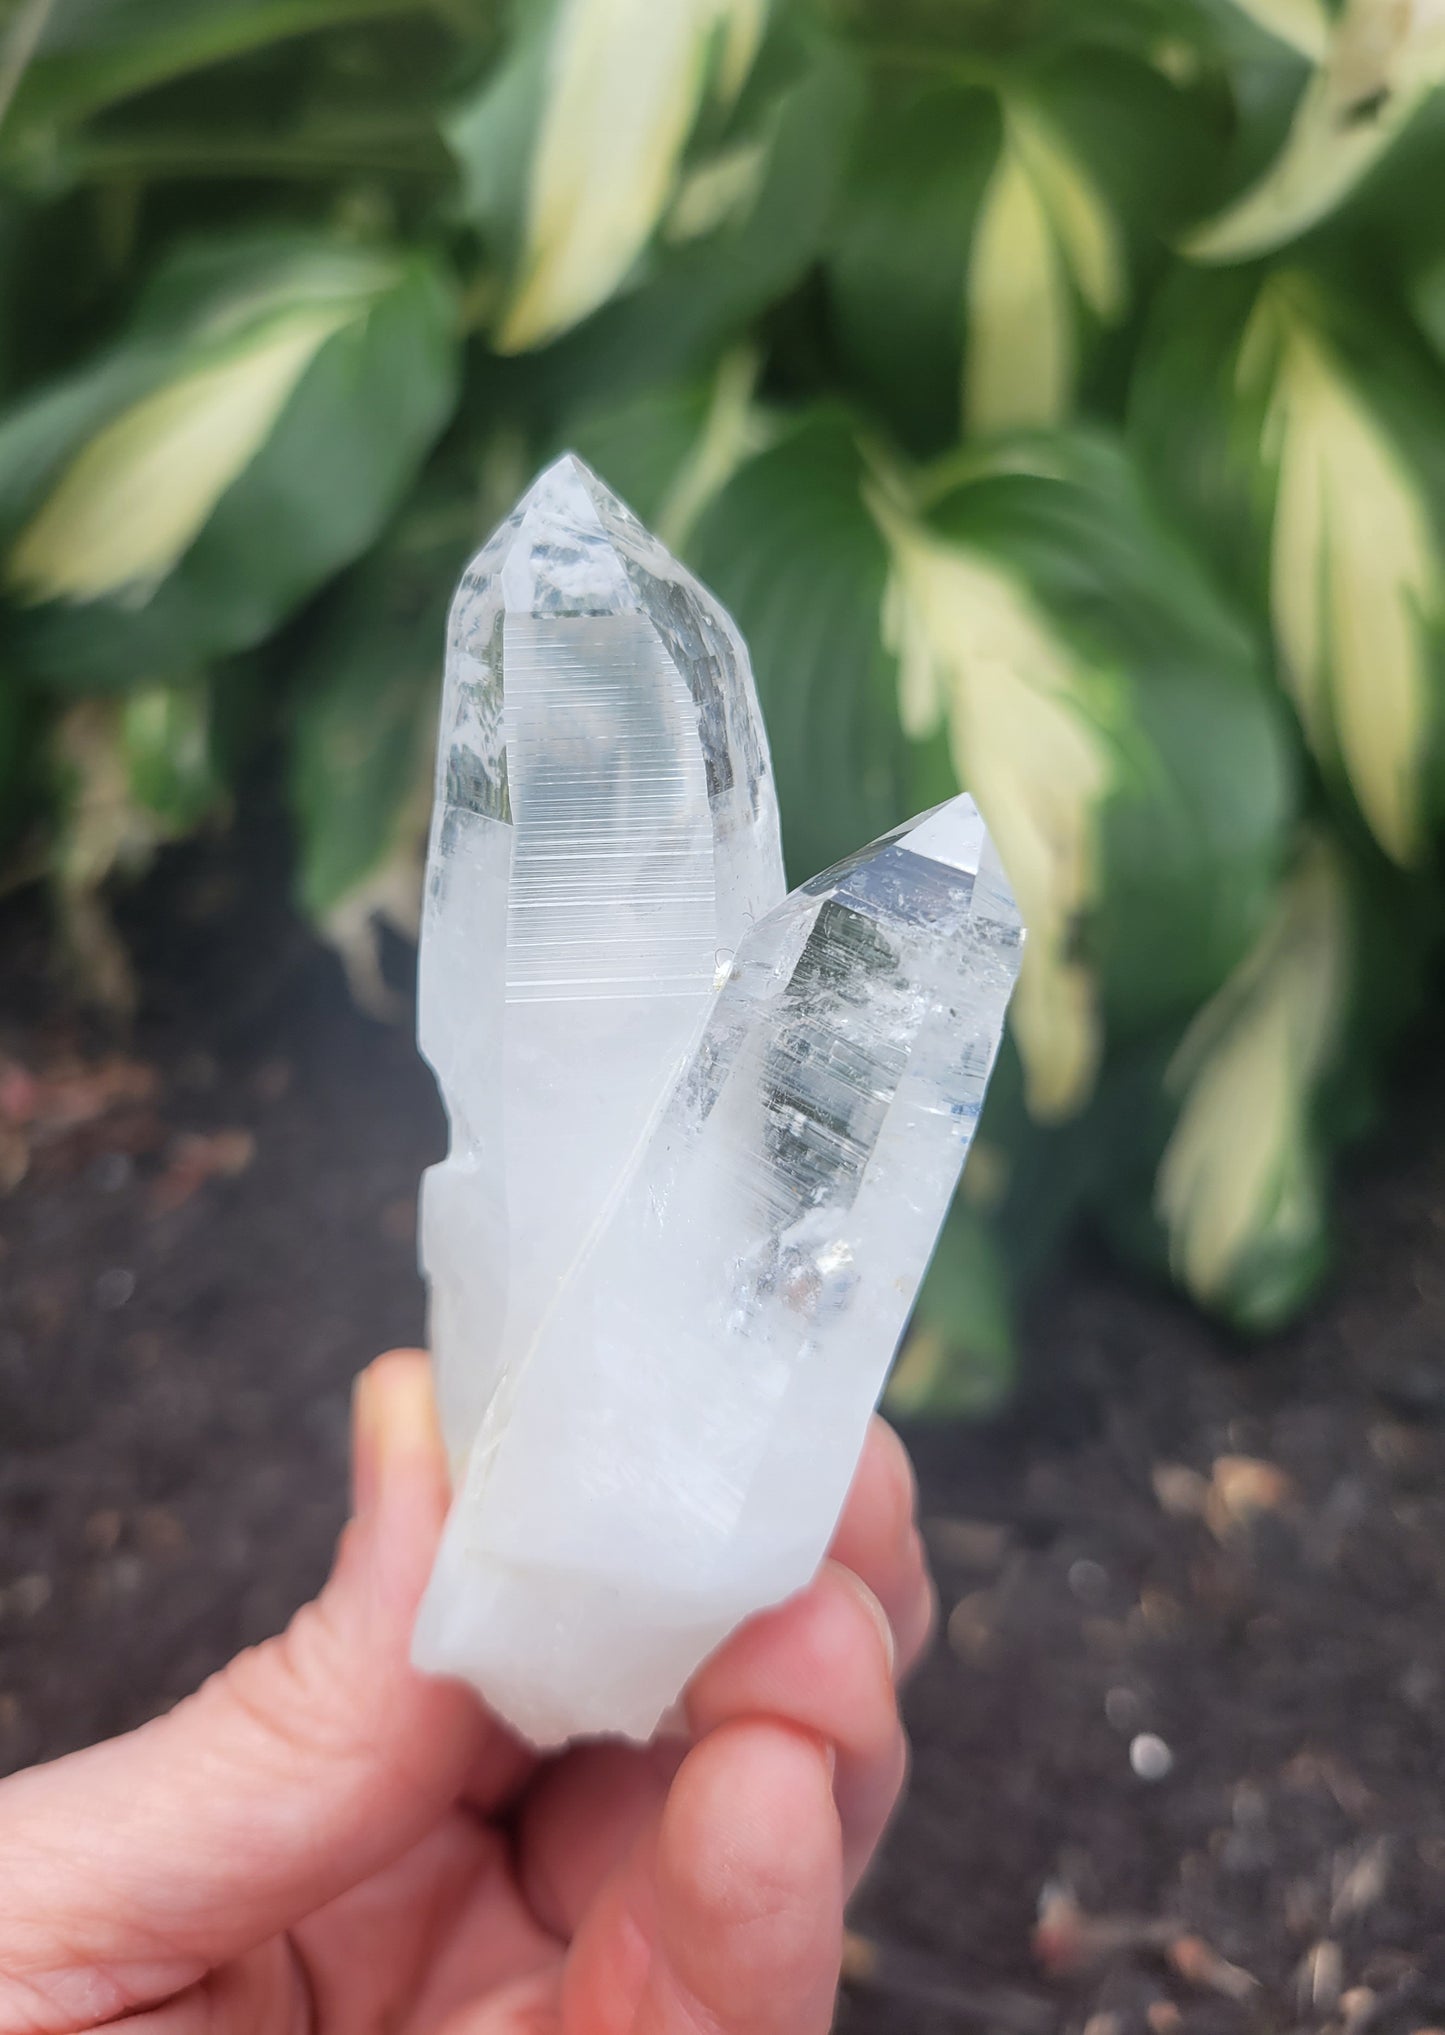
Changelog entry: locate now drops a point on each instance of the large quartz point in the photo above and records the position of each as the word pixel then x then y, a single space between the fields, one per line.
pixel 703 1137
pixel 605 831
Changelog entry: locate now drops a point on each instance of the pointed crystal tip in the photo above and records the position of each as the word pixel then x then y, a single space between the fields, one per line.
pixel 569 489
pixel 954 836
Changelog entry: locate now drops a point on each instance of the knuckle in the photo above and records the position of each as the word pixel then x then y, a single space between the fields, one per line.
pixel 299 1692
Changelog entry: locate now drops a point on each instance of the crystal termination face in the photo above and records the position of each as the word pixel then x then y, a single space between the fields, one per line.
pixel 703 1135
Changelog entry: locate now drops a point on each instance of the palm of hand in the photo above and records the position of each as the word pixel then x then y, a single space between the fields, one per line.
pixel 322 1840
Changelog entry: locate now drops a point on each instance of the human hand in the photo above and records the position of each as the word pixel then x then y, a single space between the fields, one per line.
pixel 322 1840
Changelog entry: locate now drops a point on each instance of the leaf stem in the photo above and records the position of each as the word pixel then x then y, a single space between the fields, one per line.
pixel 410 151
pixel 69 86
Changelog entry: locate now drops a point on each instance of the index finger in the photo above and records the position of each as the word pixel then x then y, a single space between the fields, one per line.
pixel 878 1539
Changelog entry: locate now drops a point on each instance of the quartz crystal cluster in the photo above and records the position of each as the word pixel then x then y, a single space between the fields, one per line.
pixel 703 1134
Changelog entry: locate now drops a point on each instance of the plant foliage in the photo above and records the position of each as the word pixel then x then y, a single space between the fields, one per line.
pixel 1056 395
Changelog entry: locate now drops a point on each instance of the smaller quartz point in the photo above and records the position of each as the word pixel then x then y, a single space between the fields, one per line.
pixel 668 1446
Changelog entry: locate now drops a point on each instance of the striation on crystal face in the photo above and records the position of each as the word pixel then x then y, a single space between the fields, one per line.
pixel 665 1428
pixel 605 831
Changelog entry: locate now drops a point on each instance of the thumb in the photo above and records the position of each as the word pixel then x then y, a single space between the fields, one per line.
pixel 309 1763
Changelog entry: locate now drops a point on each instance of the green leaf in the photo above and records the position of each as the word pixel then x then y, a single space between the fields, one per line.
pixel 961 1356
pixel 1303 25
pixel 572 152
pixel 1199 816
pixel 1109 715
pixel 367 687
pixel 1222 1137
pixel 490 133
pixel 1373 69
pixel 1428 299
pixel 791 552
pixel 1044 240
pixel 93 52
pixel 671 452
pixel 135 497
pixel 166 734
pixel 929 34
pixel 1032 730
pixel 1149 138
pixel 640 445
pixel 273 398
pixel 1241 1183
pixel 1188 426
pixel 897 267
pixel 1022 1192
pixel 624 86
pixel 1393 220
pixel 1312 461
pixel 698 296
pixel 991 231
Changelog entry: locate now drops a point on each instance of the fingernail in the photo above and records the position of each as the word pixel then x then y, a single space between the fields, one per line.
pixel 874 1609
pixel 394 1418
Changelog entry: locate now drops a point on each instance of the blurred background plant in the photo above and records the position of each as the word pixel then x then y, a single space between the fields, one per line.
pixel 1055 392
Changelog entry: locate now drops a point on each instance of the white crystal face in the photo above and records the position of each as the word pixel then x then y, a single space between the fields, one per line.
pixel 687 1208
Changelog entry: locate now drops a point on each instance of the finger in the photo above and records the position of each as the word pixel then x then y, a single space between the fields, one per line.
pixel 581 1820
pixel 499 1774
pixel 308 1764
pixel 730 1916
pixel 266 1989
pixel 444 1926
pixel 823 1662
pixel 878 1539
pixel 525 2006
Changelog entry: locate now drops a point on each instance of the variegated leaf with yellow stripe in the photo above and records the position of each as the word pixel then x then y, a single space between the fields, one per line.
pixel 994 231
pixel 1044 242
pixel 1026 724
pixel 135 497
pixel 1373 67
pixel 1357 589
pixel 1112 720
pixel 1240 1186
pixel 624 81
pixel 246 435
pixel 1300 433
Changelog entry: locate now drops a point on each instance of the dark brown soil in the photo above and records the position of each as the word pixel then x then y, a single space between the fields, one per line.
pixel 1175 1555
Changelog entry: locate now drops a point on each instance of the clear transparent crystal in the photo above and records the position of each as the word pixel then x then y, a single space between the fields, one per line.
pixel 605 831
pixel 703 1137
